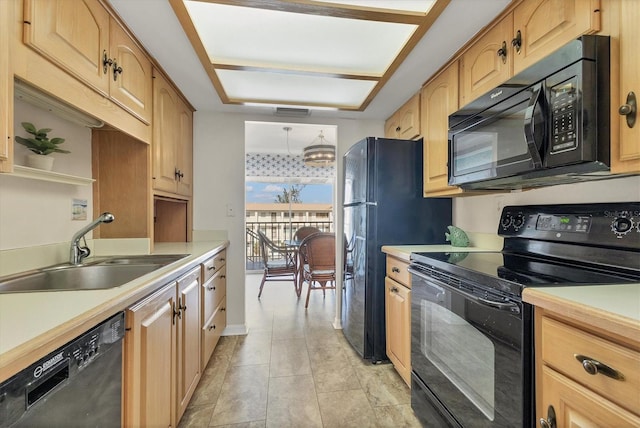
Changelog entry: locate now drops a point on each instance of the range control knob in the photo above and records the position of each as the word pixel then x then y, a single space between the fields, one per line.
pixel 622 226
pixel 506 221
pixel 518 221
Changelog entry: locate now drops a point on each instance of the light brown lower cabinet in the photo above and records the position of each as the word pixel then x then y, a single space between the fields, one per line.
pixel 583 377
pixel 214 303
pixel 162 354
pixel 398 316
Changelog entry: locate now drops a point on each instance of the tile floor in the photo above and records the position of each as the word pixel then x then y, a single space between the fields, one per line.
pixel 294 369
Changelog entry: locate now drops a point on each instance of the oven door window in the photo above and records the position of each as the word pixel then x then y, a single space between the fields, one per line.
pixel 468 353
pixel 464 355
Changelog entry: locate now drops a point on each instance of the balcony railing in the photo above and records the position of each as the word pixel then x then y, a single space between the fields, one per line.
pixel 278 232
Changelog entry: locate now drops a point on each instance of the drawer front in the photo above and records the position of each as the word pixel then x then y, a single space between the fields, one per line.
pixel 560 345
pixel 212 330
pixel 398 271
pixel 213 291
pixel 213 264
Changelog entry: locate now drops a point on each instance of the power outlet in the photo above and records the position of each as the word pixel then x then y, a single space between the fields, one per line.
pixel 231 212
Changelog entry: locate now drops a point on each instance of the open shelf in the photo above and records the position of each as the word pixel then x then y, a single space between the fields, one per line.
pixel 56 177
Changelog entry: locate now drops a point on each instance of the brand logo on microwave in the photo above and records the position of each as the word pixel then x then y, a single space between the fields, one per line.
pixel 37 372
pixel 496 94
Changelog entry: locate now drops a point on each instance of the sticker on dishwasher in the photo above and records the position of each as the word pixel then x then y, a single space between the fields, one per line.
pixel 37 372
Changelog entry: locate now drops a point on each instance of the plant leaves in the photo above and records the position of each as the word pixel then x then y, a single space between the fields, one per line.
pixel 29 127
pixel 57 140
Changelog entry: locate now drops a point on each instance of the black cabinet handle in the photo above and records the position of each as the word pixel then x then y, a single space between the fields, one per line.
pixel 116 70
pixel 516 42
pixel 395 270
pixel 106 62
pixel 594 367
pixel 629 109
pixel 502 52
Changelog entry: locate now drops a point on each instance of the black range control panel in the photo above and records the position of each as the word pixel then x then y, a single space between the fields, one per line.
pixel 611 224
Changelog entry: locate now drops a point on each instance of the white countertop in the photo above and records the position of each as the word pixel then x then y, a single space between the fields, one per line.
pixel 615 308
pixel 30 321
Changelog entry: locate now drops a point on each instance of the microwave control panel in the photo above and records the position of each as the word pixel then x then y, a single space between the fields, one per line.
pixel 564 100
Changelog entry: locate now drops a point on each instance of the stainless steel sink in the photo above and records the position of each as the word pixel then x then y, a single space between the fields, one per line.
pixel 160 259
pixel 100 274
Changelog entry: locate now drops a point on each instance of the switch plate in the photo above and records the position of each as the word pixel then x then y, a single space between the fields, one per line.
pixel 231 212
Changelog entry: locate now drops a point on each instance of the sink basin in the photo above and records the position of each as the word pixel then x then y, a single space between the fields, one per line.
pixel 97 275
pixel 154 259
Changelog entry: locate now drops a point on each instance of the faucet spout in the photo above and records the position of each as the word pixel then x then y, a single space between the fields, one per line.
pixel 78 253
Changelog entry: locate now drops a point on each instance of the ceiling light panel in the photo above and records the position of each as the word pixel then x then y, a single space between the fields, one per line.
pixel 422 6
pixel 300 89
pixel 245 36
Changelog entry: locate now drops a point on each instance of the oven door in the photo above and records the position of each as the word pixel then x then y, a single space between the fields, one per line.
pixel 467 349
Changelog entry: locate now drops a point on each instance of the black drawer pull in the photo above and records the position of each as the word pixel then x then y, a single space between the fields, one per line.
pixel 395 270
pixel 593 367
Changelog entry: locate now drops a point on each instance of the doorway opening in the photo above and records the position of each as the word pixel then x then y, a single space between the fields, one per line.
pixel 283 194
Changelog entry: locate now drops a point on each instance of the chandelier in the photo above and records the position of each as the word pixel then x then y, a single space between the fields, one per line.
pixel 319 154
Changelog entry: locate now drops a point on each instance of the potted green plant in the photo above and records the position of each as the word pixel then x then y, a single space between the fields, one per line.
pixel 41 146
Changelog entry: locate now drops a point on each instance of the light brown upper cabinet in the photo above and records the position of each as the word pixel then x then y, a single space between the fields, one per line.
pixel 533 30
pixel 172 140
pixel 84 40
pixel 6 88
pixel 439 98
pixel 405 122
pixel 625 123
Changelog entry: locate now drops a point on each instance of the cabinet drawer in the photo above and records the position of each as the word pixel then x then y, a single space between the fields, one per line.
pixel 213 290
pixel 398 271
pixel 213 264
pixel 212 330
pixel 560 345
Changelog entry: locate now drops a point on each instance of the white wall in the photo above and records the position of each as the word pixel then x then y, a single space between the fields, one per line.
pixel 36 212
pixel 481 213
pixel 219 181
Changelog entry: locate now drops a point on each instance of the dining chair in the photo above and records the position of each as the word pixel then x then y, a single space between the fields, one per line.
pixel 320 271
pixel 298 237
pixel 303 232
pixel 283 268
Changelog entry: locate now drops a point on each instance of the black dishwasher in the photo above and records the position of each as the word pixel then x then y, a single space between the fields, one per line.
pixel 77 385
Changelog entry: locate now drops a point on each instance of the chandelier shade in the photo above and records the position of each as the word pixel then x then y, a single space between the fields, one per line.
pixel 319 155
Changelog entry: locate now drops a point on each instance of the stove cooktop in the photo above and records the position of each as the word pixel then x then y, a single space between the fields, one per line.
pixel 523 270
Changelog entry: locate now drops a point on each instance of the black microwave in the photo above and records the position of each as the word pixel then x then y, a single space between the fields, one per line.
pixel 547 125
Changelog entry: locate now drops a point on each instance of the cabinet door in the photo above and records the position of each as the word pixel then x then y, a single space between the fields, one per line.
pixel 150 355
pixel 165 130
pixel 625 149
pixel 546 25
pixel 409 118
pixel 392 127
pixel 188 350
pixel 130 88
pixel 398 327
pixel 576 406
pixel 439 100
pixel 6 87
pixel 184 149
pixel 73 34
pixel 481 67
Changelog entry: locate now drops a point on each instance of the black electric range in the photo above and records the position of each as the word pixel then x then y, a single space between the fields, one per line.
pixel 472 336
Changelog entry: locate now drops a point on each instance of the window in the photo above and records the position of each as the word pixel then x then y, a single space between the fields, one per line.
pixel 249 214
pixel 322 215
pixel 274 216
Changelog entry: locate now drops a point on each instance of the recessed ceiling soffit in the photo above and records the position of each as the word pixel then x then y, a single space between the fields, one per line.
pixel 334 54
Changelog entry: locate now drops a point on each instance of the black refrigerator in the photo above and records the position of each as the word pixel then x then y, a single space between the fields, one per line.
pixel 383 205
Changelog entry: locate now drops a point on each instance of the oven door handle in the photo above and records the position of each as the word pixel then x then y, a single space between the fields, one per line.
pixel 502 306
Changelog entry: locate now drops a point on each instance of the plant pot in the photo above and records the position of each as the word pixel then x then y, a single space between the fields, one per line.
pixel 40 161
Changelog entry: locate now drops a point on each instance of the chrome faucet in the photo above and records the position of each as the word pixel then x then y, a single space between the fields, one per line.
pixel 78 253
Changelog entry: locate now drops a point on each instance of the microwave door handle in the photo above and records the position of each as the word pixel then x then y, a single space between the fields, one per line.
pixel 529 128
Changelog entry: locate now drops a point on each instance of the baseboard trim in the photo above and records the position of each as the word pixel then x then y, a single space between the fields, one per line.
pixel 235 330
